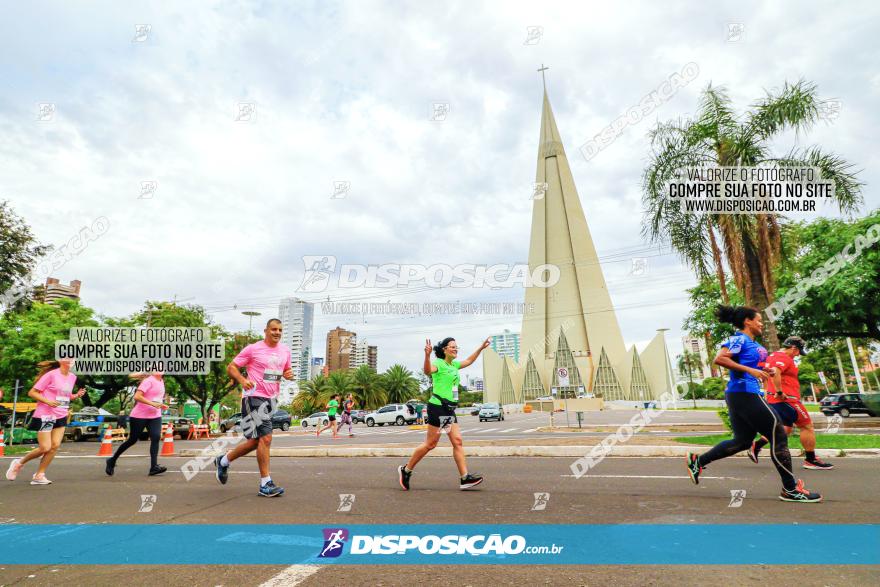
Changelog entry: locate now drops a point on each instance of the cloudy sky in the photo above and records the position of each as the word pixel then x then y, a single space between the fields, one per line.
pixel 345 92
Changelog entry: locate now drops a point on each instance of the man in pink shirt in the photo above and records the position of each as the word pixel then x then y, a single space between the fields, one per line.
pixel 266 362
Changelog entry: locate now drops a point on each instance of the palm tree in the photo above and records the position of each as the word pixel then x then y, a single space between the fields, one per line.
pixel 690 362
pixel 750 244
pixel 399 384
pixel 309 397
pixel 366 389
pixel 338 382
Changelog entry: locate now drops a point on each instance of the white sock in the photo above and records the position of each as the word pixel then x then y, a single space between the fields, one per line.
pixel 224 462
pixel 264 480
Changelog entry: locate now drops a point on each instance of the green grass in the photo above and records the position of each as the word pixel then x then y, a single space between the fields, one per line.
pixel 19 449
pixel 822 440
pixel 810 408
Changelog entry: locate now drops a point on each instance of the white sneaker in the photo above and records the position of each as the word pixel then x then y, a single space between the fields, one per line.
pixel 14 468
pixel 39 480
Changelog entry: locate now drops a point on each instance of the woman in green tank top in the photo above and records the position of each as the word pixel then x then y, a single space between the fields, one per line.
pixel 443 371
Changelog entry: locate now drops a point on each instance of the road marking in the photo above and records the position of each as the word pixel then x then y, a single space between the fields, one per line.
pixel 292 575
pixel 649 477
pixel 508 430
pixel 485 429
pixel 214 472
pixel 529 430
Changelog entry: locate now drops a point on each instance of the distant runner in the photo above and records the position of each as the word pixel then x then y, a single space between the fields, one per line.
pixel 146 415
pixel 345 415
pixel 332 406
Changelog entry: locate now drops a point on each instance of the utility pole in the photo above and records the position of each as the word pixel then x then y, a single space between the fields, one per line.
pixel 852 357
pixel 842 374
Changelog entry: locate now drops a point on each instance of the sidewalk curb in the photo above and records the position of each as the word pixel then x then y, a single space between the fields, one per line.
pixel 521 451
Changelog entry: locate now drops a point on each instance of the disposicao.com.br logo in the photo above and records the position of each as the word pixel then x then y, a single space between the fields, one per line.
pixel 321 271
pixel 397 544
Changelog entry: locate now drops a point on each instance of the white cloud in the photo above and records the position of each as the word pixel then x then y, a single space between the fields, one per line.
pixel 343 92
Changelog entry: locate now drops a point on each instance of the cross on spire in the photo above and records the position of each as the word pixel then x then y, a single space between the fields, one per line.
pixel 543 80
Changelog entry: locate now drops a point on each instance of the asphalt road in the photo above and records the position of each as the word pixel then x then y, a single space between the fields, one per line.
pixel 619 490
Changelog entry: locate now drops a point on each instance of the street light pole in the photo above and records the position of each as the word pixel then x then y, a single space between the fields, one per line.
pixel 250 314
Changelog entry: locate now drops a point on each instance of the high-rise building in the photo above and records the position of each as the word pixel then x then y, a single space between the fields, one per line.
pixel 297 317
pixel 55 290
pixel 475 383
pixel 364 354
pixel 570 335
pixel 506 344
pixel 341 345
pixel 697 345
pixel 317 367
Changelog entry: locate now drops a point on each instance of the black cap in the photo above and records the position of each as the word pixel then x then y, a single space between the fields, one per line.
pixel 795 341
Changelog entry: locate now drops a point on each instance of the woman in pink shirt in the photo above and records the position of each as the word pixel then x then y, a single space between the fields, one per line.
pixel 53 393
pixel 146 415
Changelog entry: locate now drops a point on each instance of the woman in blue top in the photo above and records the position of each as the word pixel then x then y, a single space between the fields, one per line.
pixel 749 413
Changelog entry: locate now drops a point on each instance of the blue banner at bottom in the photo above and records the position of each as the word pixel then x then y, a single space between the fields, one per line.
pixel 187 544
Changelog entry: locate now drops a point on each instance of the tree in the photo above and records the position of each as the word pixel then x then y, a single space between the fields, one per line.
pixel 751 244
pixel 310 393
pixel 366 388
pixel 19 253
pixel 702 321
pixel 713 387
pixel 847 303
pixel 207 390
pixel 690 363
pixel 29 337
pixel 399 384
pixel 338 382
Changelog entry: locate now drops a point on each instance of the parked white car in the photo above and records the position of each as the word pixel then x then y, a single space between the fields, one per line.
pixel 316 419
pixel 399 414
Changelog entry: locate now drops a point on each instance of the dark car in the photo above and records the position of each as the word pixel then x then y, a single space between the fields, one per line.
pixel 846 404
pixel 358 416
pixel 280 419
pixel 180 426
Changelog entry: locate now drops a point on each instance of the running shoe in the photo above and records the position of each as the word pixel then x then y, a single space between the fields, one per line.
pixel 38 479
pixel 694 469
pixel 470 481
pixel 351 435
pixel 271 490
pixel 14 468
pixel 800 493
pixel 753 452
pixel 222 472
pixel 157 470
pixel 817 464
pixel 110 467
pixel 403 477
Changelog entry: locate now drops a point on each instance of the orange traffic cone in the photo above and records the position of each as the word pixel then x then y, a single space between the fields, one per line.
pixel 168 444
pixel 2 444
pixel 106 449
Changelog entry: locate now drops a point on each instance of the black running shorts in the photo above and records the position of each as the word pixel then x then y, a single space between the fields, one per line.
pixel 256 417
pixel 440 416
pixel 46 424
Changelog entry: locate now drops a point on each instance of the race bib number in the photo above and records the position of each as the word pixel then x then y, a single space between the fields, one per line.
pixel 63 401
pixel 271 376
pixel 455 393
pixel 446 423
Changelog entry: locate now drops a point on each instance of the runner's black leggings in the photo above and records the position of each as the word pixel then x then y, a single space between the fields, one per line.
pixel 136 426
pixel 750 414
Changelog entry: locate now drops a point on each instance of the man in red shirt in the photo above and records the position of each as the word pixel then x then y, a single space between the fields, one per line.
pixel 784 397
